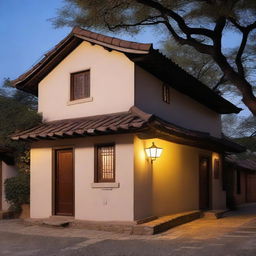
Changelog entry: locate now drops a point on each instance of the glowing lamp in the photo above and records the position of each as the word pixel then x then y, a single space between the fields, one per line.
pixel 153 152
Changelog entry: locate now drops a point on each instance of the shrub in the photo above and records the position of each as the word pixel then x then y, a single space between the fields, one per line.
pixel 17 190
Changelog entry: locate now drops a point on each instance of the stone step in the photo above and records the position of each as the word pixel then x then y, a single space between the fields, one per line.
pixel 58 221
pixel 214 214
pixel 166 222
pixel 152 227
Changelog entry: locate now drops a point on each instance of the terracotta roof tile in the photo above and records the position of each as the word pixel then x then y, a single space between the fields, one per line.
pixel 134 120
pixel 82 126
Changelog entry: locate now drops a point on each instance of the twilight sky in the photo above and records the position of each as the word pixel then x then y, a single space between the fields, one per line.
pixel 27 34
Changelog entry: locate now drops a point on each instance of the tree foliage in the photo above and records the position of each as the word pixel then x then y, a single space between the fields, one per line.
pixel 17 190
pixel 17 112
pixel 200 24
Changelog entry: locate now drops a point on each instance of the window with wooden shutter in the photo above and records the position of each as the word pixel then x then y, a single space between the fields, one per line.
pixel 166 93
pixel 80 85
pixel 105 163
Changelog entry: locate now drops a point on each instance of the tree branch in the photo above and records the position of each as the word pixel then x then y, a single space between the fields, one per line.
pixel 180 21
pixel 203 48
pixel 145 22
pixel 240 52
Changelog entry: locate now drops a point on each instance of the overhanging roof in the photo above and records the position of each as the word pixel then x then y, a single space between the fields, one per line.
pixel 132 121
pixel 142 54
pixel 246 164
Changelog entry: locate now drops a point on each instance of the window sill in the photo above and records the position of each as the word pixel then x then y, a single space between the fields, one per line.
pixel 105 185
pixel 73 102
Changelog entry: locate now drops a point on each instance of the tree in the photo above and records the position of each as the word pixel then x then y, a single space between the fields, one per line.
pixel 199 65
pixel 236 127
pixel 17 112
pixel 200 24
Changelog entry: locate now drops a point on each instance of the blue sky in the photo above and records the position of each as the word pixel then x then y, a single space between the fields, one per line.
pixel 27 33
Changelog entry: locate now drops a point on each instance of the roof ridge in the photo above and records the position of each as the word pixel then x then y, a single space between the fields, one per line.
pixel 143 115
pixel 109 40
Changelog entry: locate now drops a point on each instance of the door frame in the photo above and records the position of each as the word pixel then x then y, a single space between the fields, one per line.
pixel 209 158
pixel 54 162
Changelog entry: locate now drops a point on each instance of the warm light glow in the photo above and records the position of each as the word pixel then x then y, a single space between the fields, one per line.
pixel 153 152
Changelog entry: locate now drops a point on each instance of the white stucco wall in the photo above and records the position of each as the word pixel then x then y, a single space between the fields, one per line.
pixel 8 171
pixel 171 184
pixel 95 204
pixel 40 182
pixel 112 84
pixel 182 110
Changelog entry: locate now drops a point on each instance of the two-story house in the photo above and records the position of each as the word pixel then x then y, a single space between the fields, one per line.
pixel 104 101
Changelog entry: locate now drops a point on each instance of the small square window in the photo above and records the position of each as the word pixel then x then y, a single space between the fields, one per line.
pixel 80 85
pixel 105 163
pixel 166 93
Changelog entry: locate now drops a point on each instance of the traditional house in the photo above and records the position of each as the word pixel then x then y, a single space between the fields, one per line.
pixel 240 180
pixel 7 170
pixel 104 101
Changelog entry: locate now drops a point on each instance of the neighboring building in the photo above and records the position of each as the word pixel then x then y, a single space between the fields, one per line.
pixel 240 180
pixel 103 101
pixel 7 170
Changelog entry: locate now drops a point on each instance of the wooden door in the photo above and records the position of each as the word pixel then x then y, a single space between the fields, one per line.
pixel 251 188
pixel 64 182
pixel 204 184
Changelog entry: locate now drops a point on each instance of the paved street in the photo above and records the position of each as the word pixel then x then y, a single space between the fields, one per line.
pixel 233 235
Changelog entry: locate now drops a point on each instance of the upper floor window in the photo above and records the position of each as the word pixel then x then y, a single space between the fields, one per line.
pixel 105 163
pixel 166 93
pixel 80 85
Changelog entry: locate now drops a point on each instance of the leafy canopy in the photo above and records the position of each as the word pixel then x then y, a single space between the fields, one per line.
pixel 201 24
pixel 17 112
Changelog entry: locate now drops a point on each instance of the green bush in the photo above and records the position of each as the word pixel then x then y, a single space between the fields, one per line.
pixel 17 190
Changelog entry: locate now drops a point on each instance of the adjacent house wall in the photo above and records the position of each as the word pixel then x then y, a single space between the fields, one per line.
pixel 97 204
pixel 112 84
pixel 171 184
pixel 8 171
pixel 182 110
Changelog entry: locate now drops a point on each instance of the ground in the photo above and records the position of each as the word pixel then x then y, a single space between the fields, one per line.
pixel 235 234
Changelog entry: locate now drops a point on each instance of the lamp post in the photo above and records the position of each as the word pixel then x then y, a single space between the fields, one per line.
pixel 153 152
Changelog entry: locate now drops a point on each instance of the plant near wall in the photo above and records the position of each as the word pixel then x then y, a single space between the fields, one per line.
pixel 17 190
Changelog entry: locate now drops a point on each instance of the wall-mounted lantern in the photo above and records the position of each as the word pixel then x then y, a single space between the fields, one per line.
pixel 153 152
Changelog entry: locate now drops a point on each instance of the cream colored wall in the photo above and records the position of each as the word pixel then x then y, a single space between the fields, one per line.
pixel 174 178
pixel 40 182
pixel 182 110
pixel 112 84
pixel 8 171
pixel 218 194
pixel 143 182
pixel 97 204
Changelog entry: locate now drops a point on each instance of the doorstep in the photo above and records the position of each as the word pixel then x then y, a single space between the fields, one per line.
pixel 215 214
pixel 151 227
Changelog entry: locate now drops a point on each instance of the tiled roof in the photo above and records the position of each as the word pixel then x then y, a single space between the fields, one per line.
pixel 94 125
pixel 132 121
pixel 248 164
pixel 112 42
pixel 141 54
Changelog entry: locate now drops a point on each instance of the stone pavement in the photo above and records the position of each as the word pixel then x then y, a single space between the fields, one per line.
pixel 233 235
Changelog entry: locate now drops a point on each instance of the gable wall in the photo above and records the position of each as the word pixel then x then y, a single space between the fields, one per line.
pixel 182 110
pixel 112 84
